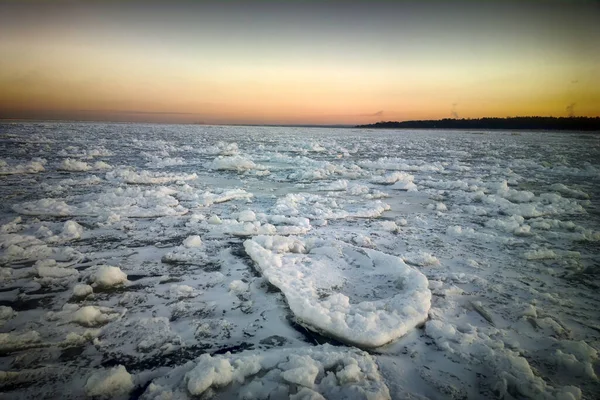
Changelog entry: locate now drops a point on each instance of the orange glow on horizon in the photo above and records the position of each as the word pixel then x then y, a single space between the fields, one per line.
pixel 51 71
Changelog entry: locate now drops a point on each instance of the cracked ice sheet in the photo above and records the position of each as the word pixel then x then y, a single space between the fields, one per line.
pixel 359 296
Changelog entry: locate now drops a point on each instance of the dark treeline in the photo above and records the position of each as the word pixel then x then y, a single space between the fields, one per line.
pixel 529 123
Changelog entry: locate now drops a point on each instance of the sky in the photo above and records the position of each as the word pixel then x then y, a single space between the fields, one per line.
pixel 298 62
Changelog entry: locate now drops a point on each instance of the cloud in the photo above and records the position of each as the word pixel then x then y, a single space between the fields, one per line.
pixel 570 110
pixel 375 114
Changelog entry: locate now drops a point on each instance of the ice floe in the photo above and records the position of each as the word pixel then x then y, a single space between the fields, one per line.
pixel 318 285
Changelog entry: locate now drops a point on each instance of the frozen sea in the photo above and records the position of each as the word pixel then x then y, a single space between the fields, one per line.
pixel 175 262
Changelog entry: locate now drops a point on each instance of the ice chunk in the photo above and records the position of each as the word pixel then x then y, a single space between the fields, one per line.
pixel 6 313
pixel 72 165
pixel 339 185
pixel 209 198
pixel 131 176
pixel 82 290
pixel 55 272
pixel 569 192
pixel 421 258
pixel 389 226
pixel 109 383
pixel 18 340
pixel 71 230
pixel 232 163
pixel 108 276
pixel 233 227
pixel 246 216
pixel 318 207
pixel 209 372
pixel 301 373
pixel 540 254
pixel 94 316
pixel 214 220
pixel 238 286
pixel 182 292
pixel 317 286
pixel 192 241
pixel 405 184
pixel 392 177
pixel 577 357
pixel 32 167
pixel 130 202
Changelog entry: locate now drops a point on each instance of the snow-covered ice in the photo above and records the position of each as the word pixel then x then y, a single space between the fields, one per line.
pixel 359 296
pixel 180 262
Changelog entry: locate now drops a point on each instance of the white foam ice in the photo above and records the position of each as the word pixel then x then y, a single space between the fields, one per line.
pixel 15 341
pixel 192 241
pixel 178 292
pixel 87 153
pixel 421 258
pixel 6 313
pixel 569 192
pixel 238 286
pixel 132 176
pixel 106 276
pixel 109 383
pixel 400 164
pixel 82 290
pixel 133 202
pixel 317 207
pixel 93 316
pixel 208 198
pixel 302 373
pixel 32 167
pixel 73 165
pixel 157 162
pixel 232 163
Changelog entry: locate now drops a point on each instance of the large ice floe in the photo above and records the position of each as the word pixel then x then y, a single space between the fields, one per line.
pixel 195 262
pixel 360 296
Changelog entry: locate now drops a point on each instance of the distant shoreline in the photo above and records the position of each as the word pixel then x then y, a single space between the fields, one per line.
pixel 512 123
pixel 584 124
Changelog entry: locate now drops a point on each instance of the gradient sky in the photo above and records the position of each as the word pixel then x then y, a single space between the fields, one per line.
pixel 298 62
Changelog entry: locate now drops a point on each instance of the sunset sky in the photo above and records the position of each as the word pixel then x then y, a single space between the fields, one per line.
pixel 298 62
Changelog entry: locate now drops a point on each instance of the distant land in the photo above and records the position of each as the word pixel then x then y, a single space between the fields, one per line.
pixel 520 123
